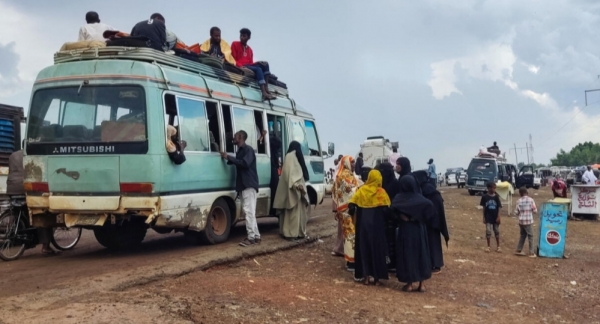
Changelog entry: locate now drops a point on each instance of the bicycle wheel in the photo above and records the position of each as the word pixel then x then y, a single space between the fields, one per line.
pixel 65 238
pixel 10 247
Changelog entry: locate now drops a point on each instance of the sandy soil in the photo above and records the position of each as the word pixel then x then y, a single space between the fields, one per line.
pixel 275 284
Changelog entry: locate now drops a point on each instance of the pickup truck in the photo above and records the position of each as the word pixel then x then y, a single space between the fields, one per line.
pixel 451 179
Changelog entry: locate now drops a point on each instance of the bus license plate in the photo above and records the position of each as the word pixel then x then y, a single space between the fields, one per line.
pixel 479 183
pixel 87 220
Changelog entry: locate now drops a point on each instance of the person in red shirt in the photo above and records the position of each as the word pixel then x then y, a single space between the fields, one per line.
pixel 559 189
pixel 243 55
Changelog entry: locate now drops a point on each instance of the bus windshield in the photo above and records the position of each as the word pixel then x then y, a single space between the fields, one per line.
pixel 482 166
pixel 88 114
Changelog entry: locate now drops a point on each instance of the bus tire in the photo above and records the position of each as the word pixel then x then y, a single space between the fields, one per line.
pixel 472 192
pixel 119 237
pixel 218 223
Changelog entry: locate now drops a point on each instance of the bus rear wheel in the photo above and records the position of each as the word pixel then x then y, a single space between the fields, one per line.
pixel 218 223
pixel 121 236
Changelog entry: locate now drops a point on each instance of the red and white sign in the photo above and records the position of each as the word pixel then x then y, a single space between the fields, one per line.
pixel 553 237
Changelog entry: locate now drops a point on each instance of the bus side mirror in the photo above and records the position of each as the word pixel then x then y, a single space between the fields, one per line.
pixel 330 149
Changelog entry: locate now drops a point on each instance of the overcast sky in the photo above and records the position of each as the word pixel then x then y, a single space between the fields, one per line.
pixel 441 77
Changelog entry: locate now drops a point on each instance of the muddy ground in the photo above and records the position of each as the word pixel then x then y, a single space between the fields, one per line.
pixel 169 281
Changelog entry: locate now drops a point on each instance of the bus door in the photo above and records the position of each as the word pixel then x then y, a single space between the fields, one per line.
pixel 304 131
pixel 277 135
pixel 253 122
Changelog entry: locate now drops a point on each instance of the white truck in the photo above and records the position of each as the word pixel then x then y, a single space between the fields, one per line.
pixel 377 149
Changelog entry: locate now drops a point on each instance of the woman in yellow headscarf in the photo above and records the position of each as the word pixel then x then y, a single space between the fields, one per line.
pixel 344 187
pixel 369 204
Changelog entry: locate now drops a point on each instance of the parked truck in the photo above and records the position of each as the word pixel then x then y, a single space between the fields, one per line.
pixel 12 120
pixel 377 149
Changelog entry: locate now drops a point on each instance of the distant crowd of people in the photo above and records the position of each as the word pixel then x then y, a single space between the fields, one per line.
pixel 157 36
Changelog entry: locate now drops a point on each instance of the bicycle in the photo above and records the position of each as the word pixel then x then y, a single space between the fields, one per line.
pixel 16 235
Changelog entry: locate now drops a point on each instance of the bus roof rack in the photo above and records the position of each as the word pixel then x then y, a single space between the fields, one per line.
pixel 165 59
pixel 491 156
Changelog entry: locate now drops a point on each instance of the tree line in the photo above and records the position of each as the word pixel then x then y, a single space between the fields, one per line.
pixel 586 153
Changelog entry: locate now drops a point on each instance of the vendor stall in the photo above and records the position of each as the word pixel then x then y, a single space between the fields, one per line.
pixel 584 199
pixel 505 191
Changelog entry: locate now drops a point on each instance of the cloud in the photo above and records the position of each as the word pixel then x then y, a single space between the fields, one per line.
pixel 531 68
pixel 491 63
pixel 24 36
pixel 9 74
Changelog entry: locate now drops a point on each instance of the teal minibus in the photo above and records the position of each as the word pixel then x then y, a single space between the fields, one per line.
pixel 95 149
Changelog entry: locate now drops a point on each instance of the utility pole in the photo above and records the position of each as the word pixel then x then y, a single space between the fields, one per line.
pixel 520 149
pixel 527 147
pixel 531 147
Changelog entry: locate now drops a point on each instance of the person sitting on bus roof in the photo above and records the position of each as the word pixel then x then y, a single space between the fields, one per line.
pixel 217 47
pixel 244 57
pixel 94 29
pixel 174 147
pixel 154 29
pixel 494 149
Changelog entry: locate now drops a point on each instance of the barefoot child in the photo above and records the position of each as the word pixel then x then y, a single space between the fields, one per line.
pixel 524 210
pixel 491 215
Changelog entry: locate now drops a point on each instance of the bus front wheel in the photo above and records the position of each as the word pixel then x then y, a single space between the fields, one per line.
pixel 218 223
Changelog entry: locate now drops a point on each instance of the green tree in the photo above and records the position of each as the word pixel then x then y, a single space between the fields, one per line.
pixel 582 154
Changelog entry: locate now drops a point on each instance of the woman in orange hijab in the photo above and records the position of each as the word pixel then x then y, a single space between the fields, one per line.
pixel 344 187
pixel 369 205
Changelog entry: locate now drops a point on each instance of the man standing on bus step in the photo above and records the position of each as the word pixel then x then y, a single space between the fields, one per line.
pixel 246 184
pixel 432 173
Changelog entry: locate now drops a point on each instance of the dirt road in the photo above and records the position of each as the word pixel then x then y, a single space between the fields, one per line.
pixel 169 281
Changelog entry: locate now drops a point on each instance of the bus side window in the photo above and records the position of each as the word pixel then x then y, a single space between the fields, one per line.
pixel 312 138
pixel 228 122
pixel 262 144
pixel 214 131
pixel 193 124
pixel 299 134
pixel 244 120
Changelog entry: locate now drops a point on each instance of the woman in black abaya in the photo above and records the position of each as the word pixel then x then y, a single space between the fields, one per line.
pixel 391 187
pixel 413 212
pixel 403 169
pixel 438 225
pixel 403 166
pixel 369 204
